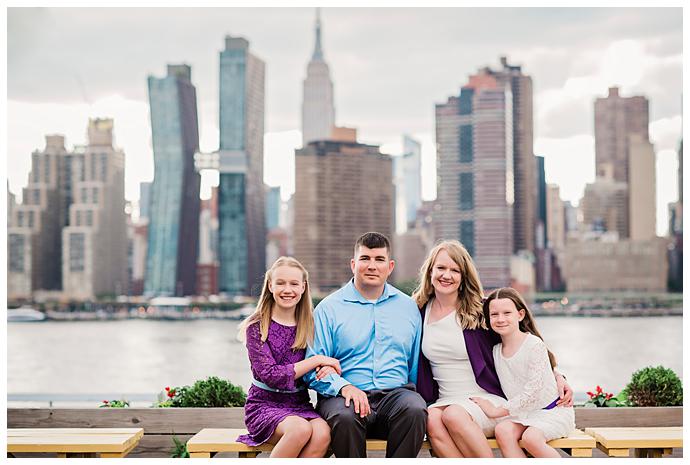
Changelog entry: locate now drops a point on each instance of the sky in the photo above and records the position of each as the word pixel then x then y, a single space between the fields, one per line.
pixel 390 66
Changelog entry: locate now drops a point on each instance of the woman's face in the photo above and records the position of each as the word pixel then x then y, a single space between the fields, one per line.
pixel 287 286
pixel 445 274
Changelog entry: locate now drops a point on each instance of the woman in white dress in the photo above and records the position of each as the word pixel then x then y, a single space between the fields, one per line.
pixel 456 359
pixel 523 364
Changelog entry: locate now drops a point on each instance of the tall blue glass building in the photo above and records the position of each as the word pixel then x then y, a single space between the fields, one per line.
pixel 174 204
pixel 241 221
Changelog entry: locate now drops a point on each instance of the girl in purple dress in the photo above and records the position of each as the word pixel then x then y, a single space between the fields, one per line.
pixel 278 410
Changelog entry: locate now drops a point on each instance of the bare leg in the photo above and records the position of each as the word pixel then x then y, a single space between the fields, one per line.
pixel 466 433
pixel 535 442
pixel 319 441
pixel 290 437
pixel 441 442
pixel 508 435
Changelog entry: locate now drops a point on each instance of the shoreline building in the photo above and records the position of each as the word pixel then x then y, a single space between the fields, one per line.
pixel 34 230
pixel 407 169
pixel 331 214
pixel 207 267
pixel 94 244
pixel 318 110
pixel 525 215
pixel 173 229
pixel 241 218
pixel 474 136
pixel 624 154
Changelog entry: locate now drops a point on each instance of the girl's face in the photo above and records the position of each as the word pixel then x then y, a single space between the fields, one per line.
pixel 504 317
pixel 287 286
pixel 445 274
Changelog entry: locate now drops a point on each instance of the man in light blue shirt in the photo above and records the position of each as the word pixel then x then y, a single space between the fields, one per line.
pixel 374 330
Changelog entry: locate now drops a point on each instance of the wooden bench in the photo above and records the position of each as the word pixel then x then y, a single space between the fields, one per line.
pixel 209 441
pixel 646 442
pixel 74 442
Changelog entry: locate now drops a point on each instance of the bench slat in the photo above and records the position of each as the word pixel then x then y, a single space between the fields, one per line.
pixel 633 438
pixel 210 440
pixel 65 440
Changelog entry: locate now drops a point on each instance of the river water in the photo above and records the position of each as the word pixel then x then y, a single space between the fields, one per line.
pixel 81 363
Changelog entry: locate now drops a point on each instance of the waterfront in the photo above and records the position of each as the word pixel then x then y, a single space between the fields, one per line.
pixel 81 363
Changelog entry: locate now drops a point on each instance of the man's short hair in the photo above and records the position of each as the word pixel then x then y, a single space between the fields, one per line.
pixel 373 240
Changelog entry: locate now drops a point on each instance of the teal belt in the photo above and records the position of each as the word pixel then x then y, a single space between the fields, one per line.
pixel 266 387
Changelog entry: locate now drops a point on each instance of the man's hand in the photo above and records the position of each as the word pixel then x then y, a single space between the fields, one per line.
pixel 323 371
pixel 488 408
pixel 565 392
pixel 358 398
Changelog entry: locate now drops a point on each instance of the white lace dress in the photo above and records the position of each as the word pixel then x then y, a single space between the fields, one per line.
pixel 444 345
pixel 528 382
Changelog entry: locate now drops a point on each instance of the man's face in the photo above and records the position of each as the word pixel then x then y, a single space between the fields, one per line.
pixel 371 267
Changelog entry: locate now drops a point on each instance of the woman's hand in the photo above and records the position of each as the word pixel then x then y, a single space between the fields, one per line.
pixel 489 409
pixel 323 371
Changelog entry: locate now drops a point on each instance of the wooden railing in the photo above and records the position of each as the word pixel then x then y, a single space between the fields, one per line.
pixel 160 424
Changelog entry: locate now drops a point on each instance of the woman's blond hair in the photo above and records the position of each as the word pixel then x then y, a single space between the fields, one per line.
pixel 470 292
pixel 264 308
pixel 527 324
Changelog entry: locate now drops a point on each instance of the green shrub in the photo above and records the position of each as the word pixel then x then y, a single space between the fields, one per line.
pixel 211 392
pixel 654 387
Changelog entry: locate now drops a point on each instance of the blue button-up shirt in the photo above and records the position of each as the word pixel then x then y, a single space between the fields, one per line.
pixel 377 343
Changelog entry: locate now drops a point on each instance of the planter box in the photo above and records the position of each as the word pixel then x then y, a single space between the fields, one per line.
pixel 161 424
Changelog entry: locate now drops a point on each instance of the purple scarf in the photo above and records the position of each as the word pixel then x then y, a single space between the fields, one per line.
pixel 479 344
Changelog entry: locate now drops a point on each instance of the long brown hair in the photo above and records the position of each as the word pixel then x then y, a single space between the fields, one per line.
pixel 470 292
pixel 527 325
pixel 264 308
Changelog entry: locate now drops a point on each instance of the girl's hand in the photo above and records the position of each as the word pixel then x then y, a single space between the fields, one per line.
pixel 488 408
pixel 323 371
pixel 330 361
pixel 565 392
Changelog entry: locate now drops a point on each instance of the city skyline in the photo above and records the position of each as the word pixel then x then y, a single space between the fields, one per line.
pixel 568 76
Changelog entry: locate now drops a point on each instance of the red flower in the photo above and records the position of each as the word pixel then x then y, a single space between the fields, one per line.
pixel 171 393
pixel 167 388
pixel 608 396
pixel 598 389
pixel 105 401
pixel 590 394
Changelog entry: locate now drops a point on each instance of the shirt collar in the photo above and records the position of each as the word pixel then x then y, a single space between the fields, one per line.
pixel 351 294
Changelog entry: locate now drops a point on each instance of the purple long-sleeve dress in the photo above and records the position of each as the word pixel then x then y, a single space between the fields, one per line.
pixel 273 364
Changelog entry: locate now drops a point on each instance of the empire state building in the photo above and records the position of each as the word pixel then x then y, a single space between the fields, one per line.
pixel 318 112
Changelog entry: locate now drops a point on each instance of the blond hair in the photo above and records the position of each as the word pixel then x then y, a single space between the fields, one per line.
pixel 264 308
pixel 470 292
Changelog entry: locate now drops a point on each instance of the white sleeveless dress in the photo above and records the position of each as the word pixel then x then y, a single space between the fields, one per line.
pixel 444 345
pixel 528 382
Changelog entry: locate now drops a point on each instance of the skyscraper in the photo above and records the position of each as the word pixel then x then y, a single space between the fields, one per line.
pixel 541 230
pixel 407 170
pixel 615 119
pixel 34 230
pixel 94 245
pixel 242 229
pixel 476 191
pixel 524 169
pixel 621 127
pixel 174 207
pixel 641 188
pixel 318 111
pixel 331 214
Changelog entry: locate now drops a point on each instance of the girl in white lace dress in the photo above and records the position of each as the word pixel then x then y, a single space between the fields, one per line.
pixel 523 364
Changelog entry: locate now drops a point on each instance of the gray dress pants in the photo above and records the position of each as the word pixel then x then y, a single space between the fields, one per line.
pixel 397 415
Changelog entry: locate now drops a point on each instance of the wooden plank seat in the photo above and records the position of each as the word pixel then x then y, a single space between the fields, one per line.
pixel 209 441
pixel 644 441
pixel 74 442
